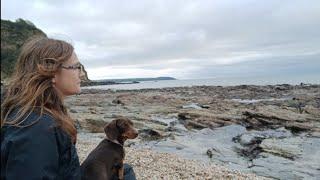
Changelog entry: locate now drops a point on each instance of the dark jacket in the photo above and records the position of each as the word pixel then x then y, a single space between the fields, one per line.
pixel 40 151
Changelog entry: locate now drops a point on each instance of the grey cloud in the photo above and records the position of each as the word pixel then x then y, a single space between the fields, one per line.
pixel 176 34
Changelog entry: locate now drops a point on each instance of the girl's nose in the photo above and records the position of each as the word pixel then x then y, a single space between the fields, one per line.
pixel 82 73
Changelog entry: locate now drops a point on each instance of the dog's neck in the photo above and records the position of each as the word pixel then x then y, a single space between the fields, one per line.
pixel 115 141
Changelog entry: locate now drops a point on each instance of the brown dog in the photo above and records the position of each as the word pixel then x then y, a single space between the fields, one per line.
pixel 106 160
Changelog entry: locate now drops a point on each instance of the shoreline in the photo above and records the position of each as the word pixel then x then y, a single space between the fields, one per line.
pixel 150 164
pixel 102 89
pixel 266 130
pixel 203 82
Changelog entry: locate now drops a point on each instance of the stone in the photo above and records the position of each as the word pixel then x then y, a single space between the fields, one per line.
pixel 272 116
pixel 118 101
pixel 191 106
pixel 194 125
pixel 95 125
pixel 252 136
pixel 205 106
pixel 73 111
pixel 150 134
pixel 288 148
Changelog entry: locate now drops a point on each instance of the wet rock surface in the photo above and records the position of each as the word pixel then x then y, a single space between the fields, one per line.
pixel 149 164
pixel 272 131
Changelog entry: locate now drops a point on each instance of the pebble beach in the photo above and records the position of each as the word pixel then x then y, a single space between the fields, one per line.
pixel 209 132
pixel 150 164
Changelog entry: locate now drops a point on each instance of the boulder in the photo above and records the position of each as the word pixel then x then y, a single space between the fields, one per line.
pixel 150 134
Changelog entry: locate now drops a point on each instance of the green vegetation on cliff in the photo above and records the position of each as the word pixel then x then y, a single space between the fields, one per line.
pixel 13 35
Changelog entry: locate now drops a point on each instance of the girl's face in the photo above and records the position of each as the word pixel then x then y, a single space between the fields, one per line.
pixel 67 80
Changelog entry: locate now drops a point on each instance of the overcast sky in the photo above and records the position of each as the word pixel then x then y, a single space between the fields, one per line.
pixel 184 39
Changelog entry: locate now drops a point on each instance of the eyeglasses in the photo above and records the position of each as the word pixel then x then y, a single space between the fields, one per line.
pixel 74 67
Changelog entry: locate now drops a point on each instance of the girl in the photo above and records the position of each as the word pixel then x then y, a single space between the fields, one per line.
pixel 37 134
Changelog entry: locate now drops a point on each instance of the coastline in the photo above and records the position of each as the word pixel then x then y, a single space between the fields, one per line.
pixel 271 130
pixel 149 164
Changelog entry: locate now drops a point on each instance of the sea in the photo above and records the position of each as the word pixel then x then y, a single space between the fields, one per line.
pixel 212 82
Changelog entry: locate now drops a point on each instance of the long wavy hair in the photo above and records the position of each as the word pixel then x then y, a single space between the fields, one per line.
pixel 30 88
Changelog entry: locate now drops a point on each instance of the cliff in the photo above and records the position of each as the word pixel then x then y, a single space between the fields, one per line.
pixel 13 35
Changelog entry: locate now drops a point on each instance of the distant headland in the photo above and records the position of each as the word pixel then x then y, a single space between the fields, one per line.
pixel 123 81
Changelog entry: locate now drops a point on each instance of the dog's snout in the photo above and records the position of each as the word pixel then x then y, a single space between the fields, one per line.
pixel 133 134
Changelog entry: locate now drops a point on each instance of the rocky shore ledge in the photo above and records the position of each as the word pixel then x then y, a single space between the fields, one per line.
pixel 194 132
pixel 149 164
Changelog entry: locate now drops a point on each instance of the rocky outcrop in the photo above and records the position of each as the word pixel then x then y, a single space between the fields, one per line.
pixel 150 164
pixel 272 131
pixel 13 36
pixel 274 116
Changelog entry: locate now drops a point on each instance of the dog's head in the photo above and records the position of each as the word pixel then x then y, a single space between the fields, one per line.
pixel 120 129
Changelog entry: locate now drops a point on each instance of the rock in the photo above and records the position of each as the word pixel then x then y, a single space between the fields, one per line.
pixel 163 120
pixel 184 116
pixel 306 166
pixel 158 122
pixel 312 110
pixel 150 134
pixel 194 125
pixel 170 144
pixel 297 127
pixel 210 152
pixel 288 148
pixel 315 134
pixel 205 106
pixel 247 139
pixel 190 122
pixel 118 101
pixel 274 167
pixel 273 116
pixel 73 111
pixel 191 106
pixel 177 128
pixel 262 116
pixel 282 87
pixel 252 136
pixel 157 99
pixel 95 125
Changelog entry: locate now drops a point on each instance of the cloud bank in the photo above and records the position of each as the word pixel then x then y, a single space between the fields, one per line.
pixel 183 39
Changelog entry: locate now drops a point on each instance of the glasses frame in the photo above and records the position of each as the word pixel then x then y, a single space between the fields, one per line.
pixel 78 66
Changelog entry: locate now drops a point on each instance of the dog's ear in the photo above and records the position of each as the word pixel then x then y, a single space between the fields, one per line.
pixel 112 130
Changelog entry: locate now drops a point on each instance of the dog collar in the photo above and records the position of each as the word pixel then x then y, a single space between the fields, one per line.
pixel 114 141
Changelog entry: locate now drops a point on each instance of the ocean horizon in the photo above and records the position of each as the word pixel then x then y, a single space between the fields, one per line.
pixel 307 79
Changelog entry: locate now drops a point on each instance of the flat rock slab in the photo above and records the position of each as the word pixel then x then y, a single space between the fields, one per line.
pixel 276 163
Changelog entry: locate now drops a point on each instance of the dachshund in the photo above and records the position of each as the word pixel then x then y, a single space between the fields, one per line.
pixel 106 160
